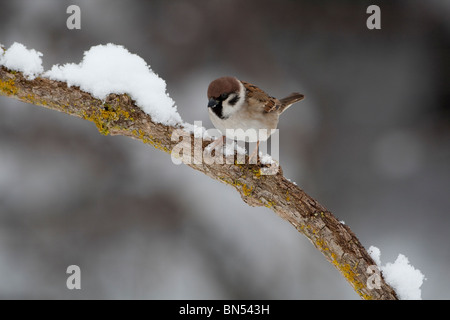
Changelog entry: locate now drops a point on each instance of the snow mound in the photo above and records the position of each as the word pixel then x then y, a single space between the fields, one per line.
pixel 19 58
pixel 400 275
pixel 111 68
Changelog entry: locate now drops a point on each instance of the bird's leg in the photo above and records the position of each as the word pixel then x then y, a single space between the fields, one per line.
pixel 255 152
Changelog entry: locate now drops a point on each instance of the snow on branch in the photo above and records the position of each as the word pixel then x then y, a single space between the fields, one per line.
pixel 121 95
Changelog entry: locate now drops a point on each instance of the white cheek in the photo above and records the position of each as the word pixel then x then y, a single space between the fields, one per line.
pixel 227 109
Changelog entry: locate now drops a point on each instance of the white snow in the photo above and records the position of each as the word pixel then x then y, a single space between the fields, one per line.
pixel 19 58
pixel 111 68
pixel 375 254
pixel 293 182
pixel 266 159
pixel 229 149
pixel 400 275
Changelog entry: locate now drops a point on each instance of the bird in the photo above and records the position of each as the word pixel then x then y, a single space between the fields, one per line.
pixel 234 104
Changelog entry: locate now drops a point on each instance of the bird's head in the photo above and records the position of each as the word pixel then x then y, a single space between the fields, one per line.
pixel 225 93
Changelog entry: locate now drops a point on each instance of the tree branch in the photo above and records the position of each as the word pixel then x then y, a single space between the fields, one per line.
pixel 118 115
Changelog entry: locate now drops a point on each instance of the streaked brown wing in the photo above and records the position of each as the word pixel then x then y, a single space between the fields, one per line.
pixel 253 92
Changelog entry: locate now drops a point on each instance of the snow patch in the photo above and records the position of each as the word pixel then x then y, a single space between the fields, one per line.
pixel 111 68
pixel 400 275
pixel 375 254
pixel 266 159
pixel 19 58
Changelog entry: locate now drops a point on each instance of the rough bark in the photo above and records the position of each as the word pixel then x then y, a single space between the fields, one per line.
pixel 118 115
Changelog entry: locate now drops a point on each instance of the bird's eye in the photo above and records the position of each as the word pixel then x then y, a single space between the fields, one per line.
pixel 223 96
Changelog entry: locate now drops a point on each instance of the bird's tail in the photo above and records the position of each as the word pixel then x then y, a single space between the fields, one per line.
pixel 290 100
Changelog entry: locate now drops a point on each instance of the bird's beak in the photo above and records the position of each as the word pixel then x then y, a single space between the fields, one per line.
pixel 212 103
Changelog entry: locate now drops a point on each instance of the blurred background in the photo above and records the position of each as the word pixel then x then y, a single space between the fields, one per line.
pixel 370 142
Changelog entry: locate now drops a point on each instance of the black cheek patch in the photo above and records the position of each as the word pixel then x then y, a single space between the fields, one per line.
pixel 233 101
pixel 218 110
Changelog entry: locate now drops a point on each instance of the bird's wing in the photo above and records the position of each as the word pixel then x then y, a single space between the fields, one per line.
pixel 258 98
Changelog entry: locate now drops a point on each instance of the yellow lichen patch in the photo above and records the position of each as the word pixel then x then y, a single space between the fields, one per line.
pixel 269 204
pixel 316 214
pixel 320 243
pixel 157 145
pixel 287 196
pixel 110 114
pixel 247 190
pixel 349 272
pixel 99 122
pixel 30 98
pixel 141 135
pixel 8 88
pixel 256 172
pixel 224 180
pixel 102 118
pixel 243 186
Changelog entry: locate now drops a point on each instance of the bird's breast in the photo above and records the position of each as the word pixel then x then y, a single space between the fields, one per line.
pixel 246 127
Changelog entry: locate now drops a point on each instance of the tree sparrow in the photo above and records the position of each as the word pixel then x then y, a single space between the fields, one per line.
pixel 235 104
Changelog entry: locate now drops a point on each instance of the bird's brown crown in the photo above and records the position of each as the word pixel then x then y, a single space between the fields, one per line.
pixel 223 85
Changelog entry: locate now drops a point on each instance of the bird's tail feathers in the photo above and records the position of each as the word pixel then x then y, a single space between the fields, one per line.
pixel 290 100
